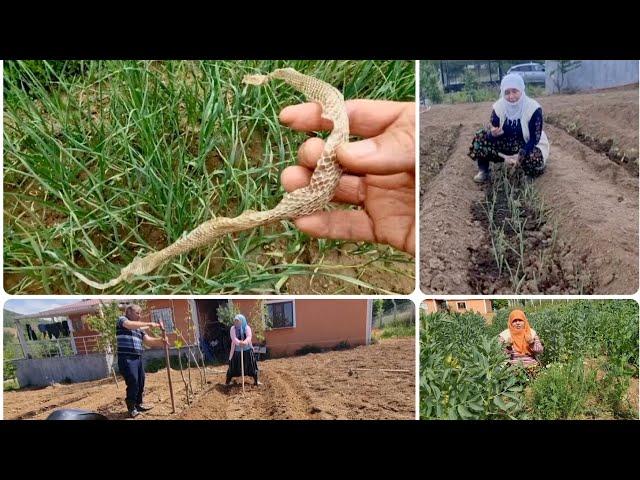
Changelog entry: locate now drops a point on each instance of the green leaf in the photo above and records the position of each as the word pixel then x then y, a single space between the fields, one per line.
pixel 464 413
pixel 512 396
pixel 500 403
pixel 436 392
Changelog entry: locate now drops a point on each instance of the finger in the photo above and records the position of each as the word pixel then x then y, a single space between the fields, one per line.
pixel 366 117
pixel 338 225
pixel 351 189
pixel 390 152
pixel 309 152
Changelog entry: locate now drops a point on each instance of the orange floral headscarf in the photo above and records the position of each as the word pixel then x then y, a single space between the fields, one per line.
pixel 520 338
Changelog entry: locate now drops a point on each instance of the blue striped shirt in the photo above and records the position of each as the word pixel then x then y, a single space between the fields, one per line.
pixel 129 341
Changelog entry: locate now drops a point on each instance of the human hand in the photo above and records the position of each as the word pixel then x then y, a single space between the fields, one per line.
pixel 379 172
pixel 521 155
pixel 496 131
pixel 510 160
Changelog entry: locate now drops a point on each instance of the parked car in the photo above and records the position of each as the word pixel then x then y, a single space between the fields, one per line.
pixel 530 72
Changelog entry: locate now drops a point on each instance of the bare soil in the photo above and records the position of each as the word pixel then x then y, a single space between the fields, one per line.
pixel 316 386
pixel 589 187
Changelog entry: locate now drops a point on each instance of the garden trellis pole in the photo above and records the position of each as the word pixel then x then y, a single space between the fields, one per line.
pixel 166 354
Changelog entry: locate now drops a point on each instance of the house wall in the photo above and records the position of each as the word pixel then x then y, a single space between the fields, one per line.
pixel 430 305
pixel 323 323
pixel 478 306
pixel 83 334
pixel 181 318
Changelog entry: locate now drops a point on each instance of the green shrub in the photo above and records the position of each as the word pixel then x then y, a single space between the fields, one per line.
pixel 613 388
pixel 534 90
pixel 9 371
pixel 155 364
pixel 308 349
pixel 343 345
pixel 470 81
pixel 430 84
pixel 561 390
pixel 10 385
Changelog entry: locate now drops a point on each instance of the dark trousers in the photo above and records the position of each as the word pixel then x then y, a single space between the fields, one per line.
pixel 131 369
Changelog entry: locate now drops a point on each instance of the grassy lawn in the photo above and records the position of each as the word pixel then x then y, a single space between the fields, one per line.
pixel 107 160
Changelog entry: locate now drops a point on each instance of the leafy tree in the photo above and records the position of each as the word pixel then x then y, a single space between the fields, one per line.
pixel 104 322
pixel 430 82
pixel 563 67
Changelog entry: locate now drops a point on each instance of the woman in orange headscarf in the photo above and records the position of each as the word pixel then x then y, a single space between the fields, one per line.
pixel 521 342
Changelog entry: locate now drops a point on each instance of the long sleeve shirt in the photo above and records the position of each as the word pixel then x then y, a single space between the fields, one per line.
pixel 515 357
pixel 514 130
pixel 235 341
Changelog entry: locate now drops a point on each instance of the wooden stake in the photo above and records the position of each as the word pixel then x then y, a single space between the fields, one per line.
pixel 379 370
pixel 166 354
pixel 186 387
pixel 242 367
pixel 114 376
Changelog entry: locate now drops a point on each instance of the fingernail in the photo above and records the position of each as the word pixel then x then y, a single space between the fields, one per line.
pixel 360 149
pixel 285 115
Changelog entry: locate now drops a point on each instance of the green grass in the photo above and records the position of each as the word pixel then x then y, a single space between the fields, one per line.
pixel 112 159
pixel 485 94
pixel 481 94
pixel 535 91
pixel 402 327
pixel 10 385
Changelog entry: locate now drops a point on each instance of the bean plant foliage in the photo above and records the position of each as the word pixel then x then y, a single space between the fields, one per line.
pixel 590 358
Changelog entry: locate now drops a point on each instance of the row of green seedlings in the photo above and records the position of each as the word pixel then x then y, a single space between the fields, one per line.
pixel 508 235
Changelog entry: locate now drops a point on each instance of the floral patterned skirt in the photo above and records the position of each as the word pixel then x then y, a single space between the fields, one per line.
pixel 484 151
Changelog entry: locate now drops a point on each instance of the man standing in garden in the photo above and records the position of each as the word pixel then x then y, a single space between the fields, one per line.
pixel 131 336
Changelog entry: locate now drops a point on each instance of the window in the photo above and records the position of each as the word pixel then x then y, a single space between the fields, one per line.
pixel 166 315
pixel 281 314
pixel 441 305
pixel 462 305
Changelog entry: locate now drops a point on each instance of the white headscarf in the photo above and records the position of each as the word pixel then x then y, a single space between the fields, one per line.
pixel 513 110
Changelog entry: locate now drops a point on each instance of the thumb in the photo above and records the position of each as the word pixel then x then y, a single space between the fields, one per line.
pixel 388 153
